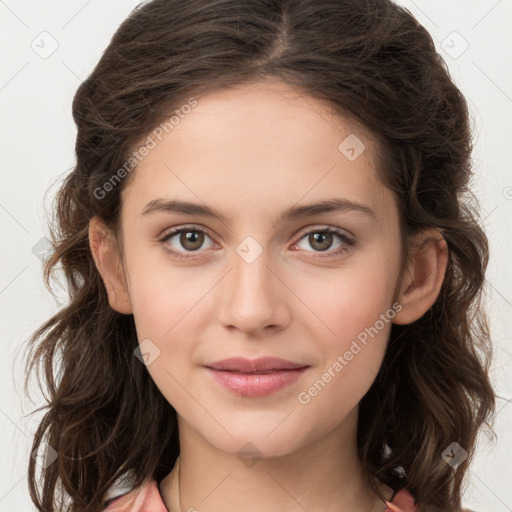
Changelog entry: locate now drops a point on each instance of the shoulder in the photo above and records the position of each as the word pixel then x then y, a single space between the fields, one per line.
pixel 143 498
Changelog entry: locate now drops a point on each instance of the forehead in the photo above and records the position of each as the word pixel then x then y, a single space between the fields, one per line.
pixel 259 145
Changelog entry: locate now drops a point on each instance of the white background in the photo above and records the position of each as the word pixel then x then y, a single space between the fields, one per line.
pixel 37 148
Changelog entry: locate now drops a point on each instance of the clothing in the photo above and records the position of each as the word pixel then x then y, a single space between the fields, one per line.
pixel 147 498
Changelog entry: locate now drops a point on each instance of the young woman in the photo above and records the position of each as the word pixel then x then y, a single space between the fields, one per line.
pixel 274 268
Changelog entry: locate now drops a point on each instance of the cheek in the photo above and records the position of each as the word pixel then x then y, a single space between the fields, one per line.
pixel 165 299
pixel 169 320
pixel 352 322
pixel 350 300
pixel 165 324
pixel 350 364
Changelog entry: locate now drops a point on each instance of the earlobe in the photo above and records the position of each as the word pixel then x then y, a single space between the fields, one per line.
pixel 107 260
pixel 424 277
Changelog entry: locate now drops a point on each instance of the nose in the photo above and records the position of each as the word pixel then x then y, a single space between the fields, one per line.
pixel 253 299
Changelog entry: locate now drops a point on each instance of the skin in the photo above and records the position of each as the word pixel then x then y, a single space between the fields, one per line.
pixel 251 152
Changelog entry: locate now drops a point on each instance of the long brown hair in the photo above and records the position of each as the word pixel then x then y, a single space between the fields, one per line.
pixel 371 60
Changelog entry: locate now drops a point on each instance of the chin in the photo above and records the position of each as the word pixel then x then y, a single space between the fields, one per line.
pixel 257 442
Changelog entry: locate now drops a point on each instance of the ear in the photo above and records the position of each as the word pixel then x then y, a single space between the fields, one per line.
pixel 108 262
pixel 424 276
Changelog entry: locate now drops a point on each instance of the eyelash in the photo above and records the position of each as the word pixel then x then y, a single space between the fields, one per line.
pixel 348 242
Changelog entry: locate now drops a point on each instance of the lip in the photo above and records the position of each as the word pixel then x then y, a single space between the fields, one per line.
pixel 238 375
pixel 261 364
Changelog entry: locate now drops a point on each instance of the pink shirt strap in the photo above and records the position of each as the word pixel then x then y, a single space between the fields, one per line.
pixel 402 502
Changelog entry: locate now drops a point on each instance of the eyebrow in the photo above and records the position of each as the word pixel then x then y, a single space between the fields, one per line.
pixel 292 213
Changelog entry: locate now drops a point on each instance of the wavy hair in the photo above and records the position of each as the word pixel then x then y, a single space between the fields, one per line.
pixel 372 61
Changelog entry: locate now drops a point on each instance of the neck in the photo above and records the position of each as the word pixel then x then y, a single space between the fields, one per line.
pixel 325 475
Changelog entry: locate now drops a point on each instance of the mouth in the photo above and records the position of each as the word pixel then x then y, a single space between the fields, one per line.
pixel 260 365
pixel 255 378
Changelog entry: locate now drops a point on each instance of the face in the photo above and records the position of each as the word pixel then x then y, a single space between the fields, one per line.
pixel 264 278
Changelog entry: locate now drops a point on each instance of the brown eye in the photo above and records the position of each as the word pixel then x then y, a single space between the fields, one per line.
pixel 324 240
pixel 191 240
pixel 184 241
pixel 320 241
